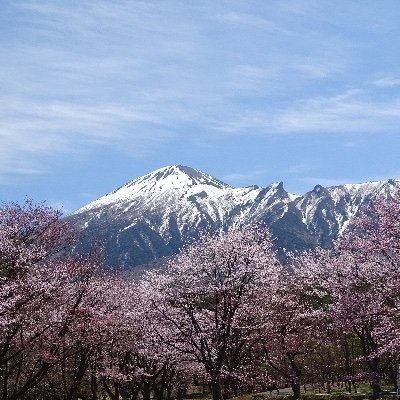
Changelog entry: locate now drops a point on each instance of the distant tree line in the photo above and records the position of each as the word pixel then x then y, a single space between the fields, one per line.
pixel 225 313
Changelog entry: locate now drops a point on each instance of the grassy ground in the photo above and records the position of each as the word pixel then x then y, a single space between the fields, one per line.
pixel 337 393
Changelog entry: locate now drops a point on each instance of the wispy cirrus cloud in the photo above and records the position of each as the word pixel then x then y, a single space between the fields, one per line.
pixel 251 20
pixel 140 75
pixel 349 111
pixel 326 182
pixel 387 81
pixel 30 130
pixel 248 176
pixel 323 181
pixel 319 69
pixel 298 169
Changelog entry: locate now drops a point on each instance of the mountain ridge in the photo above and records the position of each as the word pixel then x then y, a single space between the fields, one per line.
pixel 154 215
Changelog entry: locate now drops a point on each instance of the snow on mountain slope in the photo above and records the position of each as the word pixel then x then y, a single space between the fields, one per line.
pixel 327 211
pixel 155 215
pixel 194 199
pixel 174 180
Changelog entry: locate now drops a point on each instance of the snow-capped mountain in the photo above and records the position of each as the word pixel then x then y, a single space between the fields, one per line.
pixel 155 215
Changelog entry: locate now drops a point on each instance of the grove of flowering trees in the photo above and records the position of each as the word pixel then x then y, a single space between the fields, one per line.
pixel 224 314
pixel 208 301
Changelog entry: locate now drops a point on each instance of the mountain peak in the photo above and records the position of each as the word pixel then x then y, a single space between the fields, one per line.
pixel 178 176
pixel 276 185
pixel 173 180
pixel 172 170
pixel 319 190
pixel 169 170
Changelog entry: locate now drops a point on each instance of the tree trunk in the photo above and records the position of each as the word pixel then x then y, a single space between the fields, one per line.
pixel 376 380
pixel 4 378
pixel 215 387
pixel 158 392
pixel 94 386
pixel 328 387
pixel 392 371
pixel 296 390
pixel 146 392
pixel 134 392
pixel 73 391
pixel 30 383
pixel 180 393
pixel 376 388
pixel 114 395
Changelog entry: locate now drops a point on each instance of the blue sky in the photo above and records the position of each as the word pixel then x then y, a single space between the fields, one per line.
pixel 96 93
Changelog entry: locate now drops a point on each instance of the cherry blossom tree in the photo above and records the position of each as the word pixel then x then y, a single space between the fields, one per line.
pixel 360 303
pixel 376 232
pixel 42 295
pixel 94 328
pixel 137 361
pixel 29 234
pixel 208 297
pixel 295 325
pixel 373 240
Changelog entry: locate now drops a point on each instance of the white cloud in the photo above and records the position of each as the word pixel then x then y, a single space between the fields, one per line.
pixel 248 176
pixel 347 112
pixel 351 144
pixel 297 169
pixel 30 130
pixel 387 81
pixel 252 20
pixel 317 69
pixel 326 182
